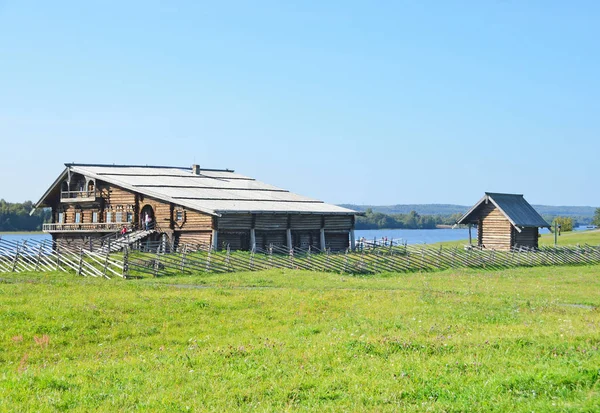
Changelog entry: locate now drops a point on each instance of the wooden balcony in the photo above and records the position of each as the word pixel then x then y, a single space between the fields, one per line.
pixel 88 227
pixel 78 196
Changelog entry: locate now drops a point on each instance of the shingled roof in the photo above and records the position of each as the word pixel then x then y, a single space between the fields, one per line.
pixel 514 207
pixel 213 191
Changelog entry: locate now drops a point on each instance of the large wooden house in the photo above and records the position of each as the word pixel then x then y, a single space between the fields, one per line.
pixel 504 221
pixel 189 205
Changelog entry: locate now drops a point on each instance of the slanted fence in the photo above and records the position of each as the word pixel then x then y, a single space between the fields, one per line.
pixel 34 256
pixel 160 258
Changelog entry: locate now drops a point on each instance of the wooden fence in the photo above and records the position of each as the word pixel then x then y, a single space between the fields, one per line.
pixel 160 259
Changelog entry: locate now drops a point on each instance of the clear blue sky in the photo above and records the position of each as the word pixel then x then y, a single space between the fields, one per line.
pixel 350 102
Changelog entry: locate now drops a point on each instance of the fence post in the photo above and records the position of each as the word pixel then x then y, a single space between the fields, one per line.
pixel 308 259
pixel 183 257
pixel 291 255
pixel 157 261
pixel 105 265
pixel 39 257
pixel 16 259
pixel 79 270
pixel 126 261
pixel 345 262
pixel 208 258
pixel 57 257
pixel 252 258
pixel 227 259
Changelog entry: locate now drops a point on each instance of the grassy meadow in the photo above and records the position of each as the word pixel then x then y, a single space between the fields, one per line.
pixel 283 340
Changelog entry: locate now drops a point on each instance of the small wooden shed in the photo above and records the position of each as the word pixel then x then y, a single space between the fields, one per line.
pixel 504 221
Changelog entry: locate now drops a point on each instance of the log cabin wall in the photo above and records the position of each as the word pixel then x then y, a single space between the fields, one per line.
pixel 162 211
pixel 528 237
pixel 271 222
pixel 235 240
pixel 75 240
pixel 120 203
pixel 264 239
pixel 194 238
pixel 337 241
pixel 495 230
pixel 306 238
pixel 235 222
pixel 185 219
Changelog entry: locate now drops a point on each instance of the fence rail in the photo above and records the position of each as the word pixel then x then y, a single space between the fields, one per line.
pixel 160 258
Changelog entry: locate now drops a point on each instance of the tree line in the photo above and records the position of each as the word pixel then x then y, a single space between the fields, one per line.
pixel 15 216
pixel 412 220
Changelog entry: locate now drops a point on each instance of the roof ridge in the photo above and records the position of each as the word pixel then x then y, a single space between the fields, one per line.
pixel 143 166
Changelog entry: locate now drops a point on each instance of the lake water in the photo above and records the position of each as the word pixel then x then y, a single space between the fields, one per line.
pixel 410 236
pixel 24 236
pixel 426 236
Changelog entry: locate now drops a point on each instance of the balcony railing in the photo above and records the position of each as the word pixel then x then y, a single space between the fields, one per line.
pixel 87 227
pixel 78 196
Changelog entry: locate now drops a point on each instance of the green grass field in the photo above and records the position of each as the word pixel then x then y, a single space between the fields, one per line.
pixel 282 340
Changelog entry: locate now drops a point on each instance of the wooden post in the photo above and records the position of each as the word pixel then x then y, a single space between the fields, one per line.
pixel 16 259
pixel 470 239
pixel 345 262
pixel 105 265
pixel 252 239
pixel 183 258
pixel 126 261
pixel 227 259
pixel 39 257
pixel 80 261
pixel 352 240
pixel 215 239
pixel 322 239
pixel 289 239
pixel 210 248
pixel 157 261
pixel 57 257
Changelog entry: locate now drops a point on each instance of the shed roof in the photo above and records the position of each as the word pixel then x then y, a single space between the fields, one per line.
pixel 516 209
pixel 213 191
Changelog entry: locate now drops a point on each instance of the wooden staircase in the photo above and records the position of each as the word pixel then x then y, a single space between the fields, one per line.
pixel 125 240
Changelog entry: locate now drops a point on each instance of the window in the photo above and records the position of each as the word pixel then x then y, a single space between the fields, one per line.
pixel 61 217
pixel 129 217
pixel 109 217
pixel 119 216
pixel 78 217
pixel 94 217
pixel 179 215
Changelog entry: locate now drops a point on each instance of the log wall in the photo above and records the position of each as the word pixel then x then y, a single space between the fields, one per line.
pixel 495 230
pixel 162 211
pixel 192 220
pixel 203 238
pixel 528 237
pixel 265 238
pixel 337 241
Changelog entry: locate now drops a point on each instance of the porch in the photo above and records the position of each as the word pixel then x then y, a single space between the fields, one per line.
pixel 88 227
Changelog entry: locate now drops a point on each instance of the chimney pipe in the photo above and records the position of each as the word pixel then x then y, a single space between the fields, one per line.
pixel 196 169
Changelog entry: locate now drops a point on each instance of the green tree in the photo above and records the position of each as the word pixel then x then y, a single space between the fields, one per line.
pixel 566 223
pixel 596 219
